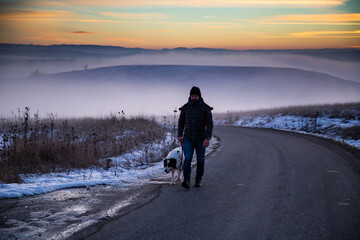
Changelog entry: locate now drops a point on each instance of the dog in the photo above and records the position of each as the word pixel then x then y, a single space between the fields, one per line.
pixel 173 163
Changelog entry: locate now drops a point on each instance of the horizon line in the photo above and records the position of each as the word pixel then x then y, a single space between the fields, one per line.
pixel 185 48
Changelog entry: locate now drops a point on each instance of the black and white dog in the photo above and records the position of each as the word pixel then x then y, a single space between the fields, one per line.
pixel 173 162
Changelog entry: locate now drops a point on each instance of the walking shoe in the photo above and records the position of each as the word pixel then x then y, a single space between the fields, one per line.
pixel 197 184
pixel 185 185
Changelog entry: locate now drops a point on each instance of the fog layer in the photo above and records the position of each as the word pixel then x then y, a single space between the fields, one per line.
pixel 21 60
pixel 158 89
pixel 21 66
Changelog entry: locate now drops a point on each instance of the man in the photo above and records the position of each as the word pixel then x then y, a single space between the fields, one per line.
pixel 196 119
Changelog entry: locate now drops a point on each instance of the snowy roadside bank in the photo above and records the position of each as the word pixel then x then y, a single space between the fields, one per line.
pixel 70 213
pixel 122 173
pixel 322 126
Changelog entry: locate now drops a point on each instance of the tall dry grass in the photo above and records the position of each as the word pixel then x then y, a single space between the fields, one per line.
pixel 30 144
pixel 339 110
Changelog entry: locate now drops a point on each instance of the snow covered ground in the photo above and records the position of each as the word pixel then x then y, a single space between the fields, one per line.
pixel 125 171
pixel 322 126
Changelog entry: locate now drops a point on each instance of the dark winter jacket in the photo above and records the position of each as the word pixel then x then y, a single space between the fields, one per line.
pixel 196 118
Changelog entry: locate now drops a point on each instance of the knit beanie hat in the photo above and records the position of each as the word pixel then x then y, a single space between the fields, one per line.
pixel 195 90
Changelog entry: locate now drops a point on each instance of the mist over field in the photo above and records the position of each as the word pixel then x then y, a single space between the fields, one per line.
pixel 93 80
pixel 18 61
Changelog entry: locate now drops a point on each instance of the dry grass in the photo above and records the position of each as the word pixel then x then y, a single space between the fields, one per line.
pixel 338 110
pixel 351 133
pixel 34 145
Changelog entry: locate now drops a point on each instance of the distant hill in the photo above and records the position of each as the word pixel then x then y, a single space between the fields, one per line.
pixel 160 88
pixel 76 51
pixel 18 61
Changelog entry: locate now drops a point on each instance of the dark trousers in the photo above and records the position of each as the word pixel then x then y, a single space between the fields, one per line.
pixel 189 147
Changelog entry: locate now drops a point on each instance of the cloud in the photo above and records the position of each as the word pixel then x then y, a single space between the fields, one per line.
pixel 30 3
pixel 11 4
pixel 314 19
pixel 98 21
pixel 15 14
pixel 312 23
pixel 211 17
pixel 316 34
pixel 319 17
pixel 135 16
pixel 328 34
pixel 290 2
pixel 38 15
pixel 82 32
pixel 231 3
pixel 53 38
pixel 162 31
pixel 308 34
pixel 218 27
pixel 213 25
pixel 198 3
pixel 124 39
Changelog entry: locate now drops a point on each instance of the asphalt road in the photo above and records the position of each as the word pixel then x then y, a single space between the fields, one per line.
pixel 260 184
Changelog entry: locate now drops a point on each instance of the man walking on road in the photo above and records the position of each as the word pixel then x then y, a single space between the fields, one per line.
pixel 196 119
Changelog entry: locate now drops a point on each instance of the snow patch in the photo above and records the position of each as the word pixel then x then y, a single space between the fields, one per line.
pixel 126 172
pixel 322 126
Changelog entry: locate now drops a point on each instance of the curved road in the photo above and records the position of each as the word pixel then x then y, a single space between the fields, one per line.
pixel 260 184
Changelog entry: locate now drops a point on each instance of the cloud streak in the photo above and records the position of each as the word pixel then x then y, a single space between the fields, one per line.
pixel 82 32
pixel 308 19
pixel 135 16
pixel 314 19
pixel 229 3
pixel 328 34
pixel 33 14
pixel 160 24
pixel 185 3
pixel 124 39
pixel 349 17
pixel 289 2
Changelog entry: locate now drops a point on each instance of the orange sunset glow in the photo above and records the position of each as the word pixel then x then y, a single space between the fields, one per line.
pixel 271 24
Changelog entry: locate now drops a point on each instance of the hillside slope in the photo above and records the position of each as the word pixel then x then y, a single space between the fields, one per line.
pixel 158 88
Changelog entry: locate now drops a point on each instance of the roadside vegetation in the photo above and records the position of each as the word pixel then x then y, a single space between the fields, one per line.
pixel 340 121
pixel 33 145
pixel 337 110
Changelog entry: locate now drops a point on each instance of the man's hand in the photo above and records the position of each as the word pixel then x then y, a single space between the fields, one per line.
pixel 206 143
pixel 181 140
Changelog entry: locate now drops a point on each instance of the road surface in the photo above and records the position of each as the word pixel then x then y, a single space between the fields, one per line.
pixel 260 184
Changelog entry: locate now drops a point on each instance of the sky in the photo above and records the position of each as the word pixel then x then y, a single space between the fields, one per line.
pixel 157 24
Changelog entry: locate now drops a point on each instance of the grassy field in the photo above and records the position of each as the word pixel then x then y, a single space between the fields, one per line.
pixel 338 110
pixel 30 144
pixel 339 121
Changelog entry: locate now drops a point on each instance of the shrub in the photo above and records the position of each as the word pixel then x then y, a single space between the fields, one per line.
pixel 33 145
pixel 339 110
pixel 351 133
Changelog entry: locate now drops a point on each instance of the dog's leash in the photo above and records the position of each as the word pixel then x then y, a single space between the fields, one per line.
pixel 182 153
